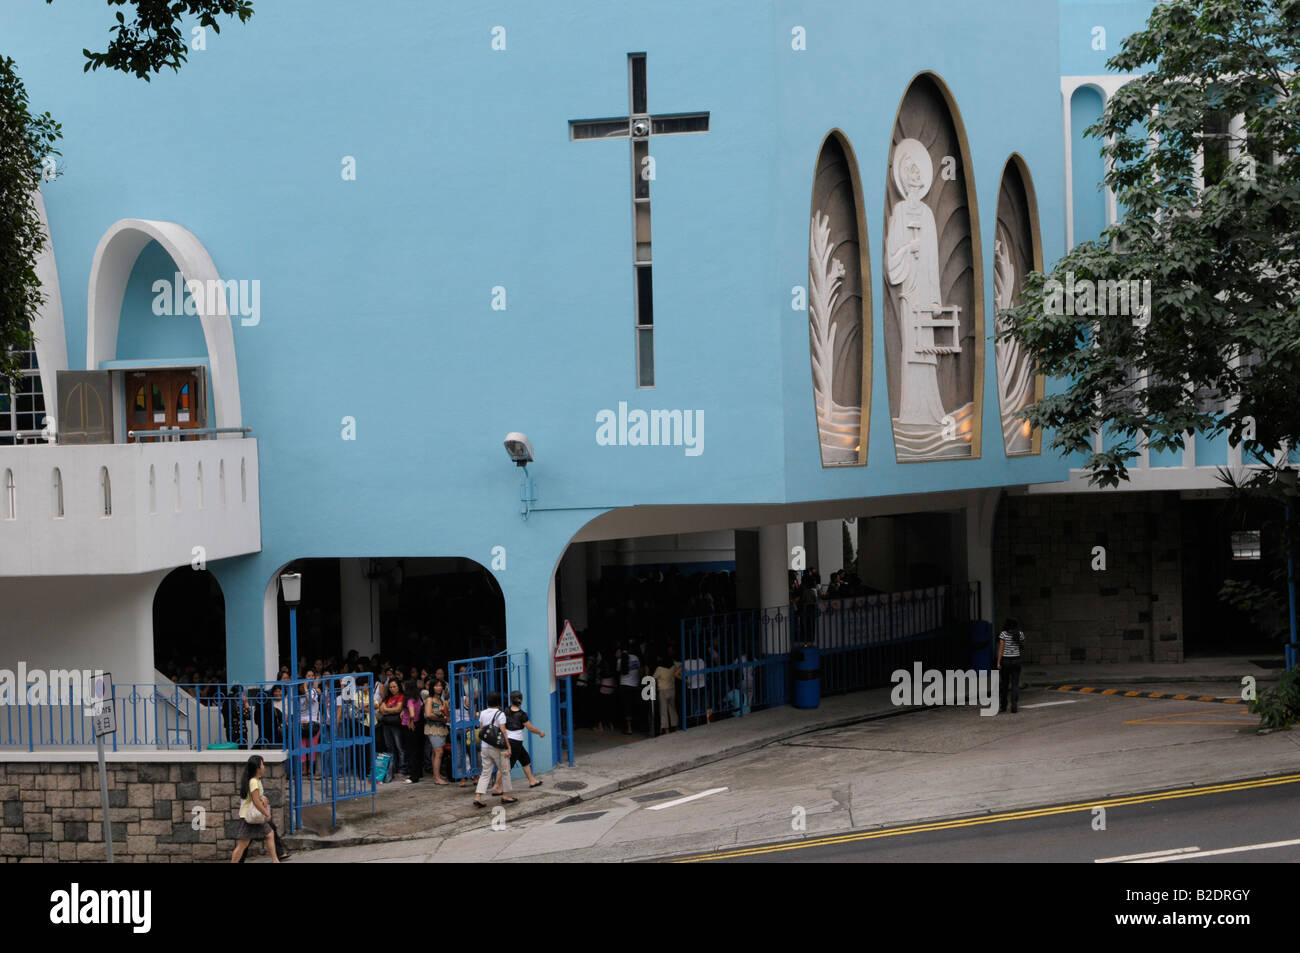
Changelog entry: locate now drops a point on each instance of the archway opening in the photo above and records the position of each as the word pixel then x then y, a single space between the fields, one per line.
pixel 189 627
pixel 413 613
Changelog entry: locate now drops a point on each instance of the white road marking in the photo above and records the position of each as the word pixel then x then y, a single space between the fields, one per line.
pixel 1072 701
pixel 1223 850
pixel 683 800
pixel 1150 853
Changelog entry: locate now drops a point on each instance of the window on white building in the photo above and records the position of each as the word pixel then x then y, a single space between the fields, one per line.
pixel 22 409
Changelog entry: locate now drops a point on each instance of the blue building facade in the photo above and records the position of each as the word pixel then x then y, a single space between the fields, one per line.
pixel 427 254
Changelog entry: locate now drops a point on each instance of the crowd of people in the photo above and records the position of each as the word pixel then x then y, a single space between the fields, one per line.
pixel 410 709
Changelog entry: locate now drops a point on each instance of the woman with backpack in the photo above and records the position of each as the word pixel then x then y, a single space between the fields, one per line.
pixel 254 812
pixel 494 750
pixel 1011 643
pixel 412 720
pixel 516 724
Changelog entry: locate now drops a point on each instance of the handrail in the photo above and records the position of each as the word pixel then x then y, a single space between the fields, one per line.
pixel 181 432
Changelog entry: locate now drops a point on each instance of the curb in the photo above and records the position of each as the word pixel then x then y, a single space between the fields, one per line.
pixel 298 842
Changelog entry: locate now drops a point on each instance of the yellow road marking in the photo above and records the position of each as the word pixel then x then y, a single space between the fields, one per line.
pixel 1168 719
pixel 996 818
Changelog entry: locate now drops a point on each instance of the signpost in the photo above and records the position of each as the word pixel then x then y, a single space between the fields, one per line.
pixel 104 718
pixel 569 661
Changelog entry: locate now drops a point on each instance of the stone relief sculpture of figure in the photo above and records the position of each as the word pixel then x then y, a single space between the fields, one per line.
pixel 912 247
pixel 839 426
pixel 1015 370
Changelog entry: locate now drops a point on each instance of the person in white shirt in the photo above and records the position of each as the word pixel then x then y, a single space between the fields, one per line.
pixel 490 756
pixel 309 705
pixel 629 685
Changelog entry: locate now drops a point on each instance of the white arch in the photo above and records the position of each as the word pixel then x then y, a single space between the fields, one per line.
pixel 47 324
pixel 116 256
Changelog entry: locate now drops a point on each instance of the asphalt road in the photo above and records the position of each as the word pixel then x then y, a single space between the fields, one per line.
pixel 1248 822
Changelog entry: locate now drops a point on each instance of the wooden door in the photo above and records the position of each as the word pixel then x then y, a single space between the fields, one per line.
pixel 163 400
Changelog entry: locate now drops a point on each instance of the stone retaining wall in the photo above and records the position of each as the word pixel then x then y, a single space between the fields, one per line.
pixel 52 810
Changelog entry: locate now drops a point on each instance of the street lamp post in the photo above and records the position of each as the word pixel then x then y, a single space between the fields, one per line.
pixel 291 587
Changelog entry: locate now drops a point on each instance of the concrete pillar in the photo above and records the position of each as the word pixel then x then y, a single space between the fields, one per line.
pixel 573 585
pixel 773 566
pixel 359 612
pixel 774 585
pixel 980 514
pixel 877 542
pixel 793 538
pixel 747 570
pixel 811 540
pixel 830 548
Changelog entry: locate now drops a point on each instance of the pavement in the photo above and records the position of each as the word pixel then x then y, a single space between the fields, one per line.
pixel 431 813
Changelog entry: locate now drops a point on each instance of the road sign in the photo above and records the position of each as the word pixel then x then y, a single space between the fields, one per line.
pixel 106 721
pixel 102 713
pixel 568 667
pixel 568 645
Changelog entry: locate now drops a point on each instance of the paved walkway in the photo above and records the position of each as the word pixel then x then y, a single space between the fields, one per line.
pixel 407 811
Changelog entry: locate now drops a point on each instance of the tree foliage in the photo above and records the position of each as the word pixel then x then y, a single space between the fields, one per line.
pixel 149 43
pixel 152 41
pixel 1219 349
pixel 26 141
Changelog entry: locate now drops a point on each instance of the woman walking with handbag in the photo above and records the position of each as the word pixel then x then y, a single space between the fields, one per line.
pixel 494 750
pixel 254 812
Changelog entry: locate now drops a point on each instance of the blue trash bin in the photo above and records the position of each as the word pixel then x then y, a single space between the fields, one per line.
pixel 807 665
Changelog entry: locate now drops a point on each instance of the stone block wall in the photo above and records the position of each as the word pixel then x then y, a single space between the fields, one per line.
pixel 1043 556
pixel 52 810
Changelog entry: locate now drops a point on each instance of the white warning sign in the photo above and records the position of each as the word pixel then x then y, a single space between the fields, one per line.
pixel 568 645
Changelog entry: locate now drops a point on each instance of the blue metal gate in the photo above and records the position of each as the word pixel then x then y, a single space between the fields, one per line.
pixel 472 680
pixel 736 662
pixel 327 729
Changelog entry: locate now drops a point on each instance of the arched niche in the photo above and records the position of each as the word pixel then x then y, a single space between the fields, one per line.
pixel 933 304
pixel 1017 250
pixel 839 306
pixel 110 271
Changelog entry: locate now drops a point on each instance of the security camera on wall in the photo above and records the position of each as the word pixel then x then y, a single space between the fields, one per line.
pixel 520 449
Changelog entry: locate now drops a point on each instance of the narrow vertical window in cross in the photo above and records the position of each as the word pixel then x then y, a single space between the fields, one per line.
pixel 640 136
pixel 638 126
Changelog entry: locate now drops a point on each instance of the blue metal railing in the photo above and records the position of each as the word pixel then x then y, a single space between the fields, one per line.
pixel 737 662
pixel 325 727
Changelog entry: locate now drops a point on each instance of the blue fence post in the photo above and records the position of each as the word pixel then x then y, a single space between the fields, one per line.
pixel 568 717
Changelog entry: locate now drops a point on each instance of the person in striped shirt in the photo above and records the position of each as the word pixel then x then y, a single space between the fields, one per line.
pixel 1010 644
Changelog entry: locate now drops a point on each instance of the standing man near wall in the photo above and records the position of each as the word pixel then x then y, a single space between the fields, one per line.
pixel 1010 643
